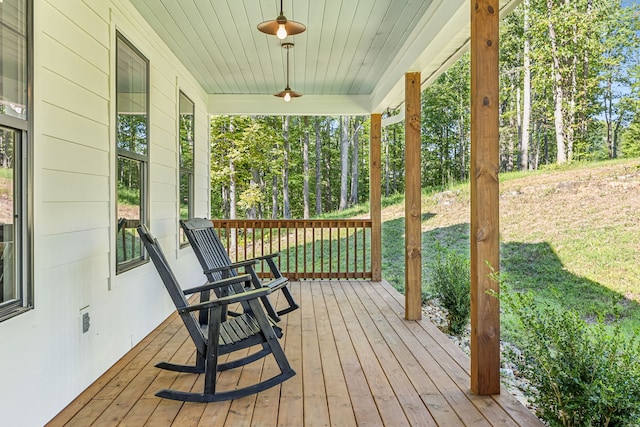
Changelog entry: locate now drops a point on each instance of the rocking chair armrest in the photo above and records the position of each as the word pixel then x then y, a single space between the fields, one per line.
pixel 218 284
pixel 229 299
pixel 276 283
pixel 228 267
pixel 244 263
pixel 249 263
pixel 265 257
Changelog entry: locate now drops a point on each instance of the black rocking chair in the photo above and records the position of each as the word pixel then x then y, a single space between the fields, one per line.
pixel 217 265
pixel 221 334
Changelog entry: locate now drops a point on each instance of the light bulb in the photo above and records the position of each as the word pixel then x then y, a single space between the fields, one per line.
pixel 282 32
pixel 287 97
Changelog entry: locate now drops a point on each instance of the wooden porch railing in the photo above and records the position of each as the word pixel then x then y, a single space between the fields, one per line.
pixel 309 248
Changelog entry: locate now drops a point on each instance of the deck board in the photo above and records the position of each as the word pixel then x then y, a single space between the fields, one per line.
pixel 358 363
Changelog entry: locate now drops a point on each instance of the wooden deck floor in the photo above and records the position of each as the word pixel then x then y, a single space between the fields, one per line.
pixel 358 362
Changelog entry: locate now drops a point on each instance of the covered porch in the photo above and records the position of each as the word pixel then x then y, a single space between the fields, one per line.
pixel 358 362
pixel 78 313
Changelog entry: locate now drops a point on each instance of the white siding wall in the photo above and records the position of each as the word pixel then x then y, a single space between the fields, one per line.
pixel 45 360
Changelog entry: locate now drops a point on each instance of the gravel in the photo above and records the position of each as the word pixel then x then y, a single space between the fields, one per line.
pixel 509 374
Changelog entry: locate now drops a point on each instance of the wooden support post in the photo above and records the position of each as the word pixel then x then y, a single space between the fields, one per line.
pixel 375 202
pixel 485 239
pixel 413 214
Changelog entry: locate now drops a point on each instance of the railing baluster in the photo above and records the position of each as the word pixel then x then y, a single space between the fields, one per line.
pixel 313 250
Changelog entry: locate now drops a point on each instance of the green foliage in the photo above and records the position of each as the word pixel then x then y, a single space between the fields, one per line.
pixel 446 126
pixel 128 196
pixel 450 280
pixel 588 50
pixel 631 140
pixel 580 374
pixel 252 162
pixel 6 173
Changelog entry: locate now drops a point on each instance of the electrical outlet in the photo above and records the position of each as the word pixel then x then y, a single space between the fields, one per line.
pixel 86 322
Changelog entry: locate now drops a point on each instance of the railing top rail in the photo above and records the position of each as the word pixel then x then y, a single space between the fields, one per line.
pixel 294 223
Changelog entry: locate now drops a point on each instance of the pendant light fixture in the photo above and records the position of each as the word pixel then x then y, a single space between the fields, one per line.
pixel 287 93
pixel 281 26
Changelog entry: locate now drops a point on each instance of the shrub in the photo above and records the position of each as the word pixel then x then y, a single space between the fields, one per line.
pixel 450 281
pixel 580 374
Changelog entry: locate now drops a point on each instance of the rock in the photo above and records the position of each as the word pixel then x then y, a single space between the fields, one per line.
pixel 510 376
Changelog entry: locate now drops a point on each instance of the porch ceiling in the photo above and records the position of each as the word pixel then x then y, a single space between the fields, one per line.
pixel 351 60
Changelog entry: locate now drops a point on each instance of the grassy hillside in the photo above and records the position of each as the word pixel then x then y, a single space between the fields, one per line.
pixel 570 234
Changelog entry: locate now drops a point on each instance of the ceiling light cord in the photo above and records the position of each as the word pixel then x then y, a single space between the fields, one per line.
pixel 287 93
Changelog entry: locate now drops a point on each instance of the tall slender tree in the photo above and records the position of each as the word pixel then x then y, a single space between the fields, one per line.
pixel 344 161
pixel 286 207
pixel 305 167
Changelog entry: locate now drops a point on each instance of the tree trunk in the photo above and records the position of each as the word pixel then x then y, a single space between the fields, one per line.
pixel 344 161
pixel 394 174
pixel 305 167
pixel 558 94
pixel 286 209
pixel 514 124
pixel 387 170
pixel 232 190
pixel 225 202
pixel 616 136
pixel 318 168
pixel 571 113
pixel 462 150
pixel 608 115
pixel 232 199
pixel 526 96
pixel 354 161
pixel 274 197
pixel 254 182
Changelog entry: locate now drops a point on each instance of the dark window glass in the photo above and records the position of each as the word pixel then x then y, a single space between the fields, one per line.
pixel 186 125
pixel 132 141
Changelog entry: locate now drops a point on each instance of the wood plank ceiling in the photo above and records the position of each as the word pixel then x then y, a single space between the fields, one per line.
pixel 352 48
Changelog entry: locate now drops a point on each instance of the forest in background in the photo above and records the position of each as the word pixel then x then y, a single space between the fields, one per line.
pixel 569 91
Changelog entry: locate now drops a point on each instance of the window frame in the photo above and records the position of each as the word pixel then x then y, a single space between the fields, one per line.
pixel 22 189
pixel 143 159
pixel 184 171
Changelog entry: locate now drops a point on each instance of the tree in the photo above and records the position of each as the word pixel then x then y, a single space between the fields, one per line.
pixel 305 169
pixel 354 161
pixel 344 161
pixel 619 57
pixel 285 169
pixel 318 167
pixel 526 99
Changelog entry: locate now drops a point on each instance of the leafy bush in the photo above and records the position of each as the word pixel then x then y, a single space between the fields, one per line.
pixel 580 374
pixel 451 284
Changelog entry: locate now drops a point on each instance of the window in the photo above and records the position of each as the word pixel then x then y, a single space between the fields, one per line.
pixel 132 142
pixel 185 128
pixel 15 260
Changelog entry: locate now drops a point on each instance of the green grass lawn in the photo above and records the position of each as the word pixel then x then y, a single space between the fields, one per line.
pixel 570 235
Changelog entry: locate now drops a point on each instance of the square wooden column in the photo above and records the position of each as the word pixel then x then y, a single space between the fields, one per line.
pixel 485 239
pixel 375 202
pixel 413 204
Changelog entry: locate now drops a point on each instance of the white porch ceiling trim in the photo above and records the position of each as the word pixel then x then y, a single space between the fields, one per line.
pixel 307 105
